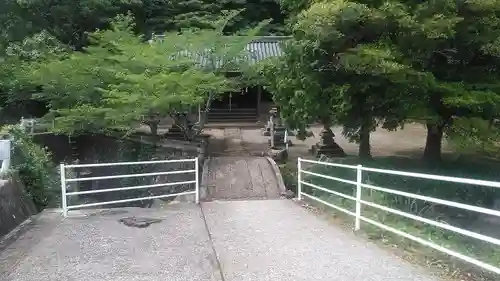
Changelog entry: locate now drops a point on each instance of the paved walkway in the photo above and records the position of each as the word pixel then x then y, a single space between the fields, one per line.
pixel 239 177
pixel 221 241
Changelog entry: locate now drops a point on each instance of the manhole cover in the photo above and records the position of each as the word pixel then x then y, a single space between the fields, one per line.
pixel 138 222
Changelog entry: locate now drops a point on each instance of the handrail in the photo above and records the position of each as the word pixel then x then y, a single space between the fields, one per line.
pixel 359 202
pixel 64 181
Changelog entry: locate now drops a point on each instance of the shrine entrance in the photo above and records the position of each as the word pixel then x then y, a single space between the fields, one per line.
pixel 247 98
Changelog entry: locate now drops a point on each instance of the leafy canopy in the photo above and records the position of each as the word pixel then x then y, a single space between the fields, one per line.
pixel 119 80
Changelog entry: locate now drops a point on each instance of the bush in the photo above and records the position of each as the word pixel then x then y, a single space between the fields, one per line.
pixel 34 167
pixel 289 174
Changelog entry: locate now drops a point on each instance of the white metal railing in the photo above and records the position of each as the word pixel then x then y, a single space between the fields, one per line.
pixel 65 194
pixel 359 202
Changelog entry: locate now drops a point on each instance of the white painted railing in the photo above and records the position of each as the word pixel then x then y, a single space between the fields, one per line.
pixel 359 202
pixel 5 153
pixel 64 181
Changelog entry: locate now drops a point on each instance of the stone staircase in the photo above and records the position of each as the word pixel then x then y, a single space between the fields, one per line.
pixel 240 116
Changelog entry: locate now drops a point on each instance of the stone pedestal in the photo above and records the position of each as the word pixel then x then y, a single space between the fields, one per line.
pixel 279 137
pixel 278 155
pixel 327 145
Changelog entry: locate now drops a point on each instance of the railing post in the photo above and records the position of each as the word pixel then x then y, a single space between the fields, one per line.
pixel 197 175
pixel 62 171
pixel 299 180
pixel 359 179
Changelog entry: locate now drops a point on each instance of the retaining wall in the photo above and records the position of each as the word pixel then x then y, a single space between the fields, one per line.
pixel 15 205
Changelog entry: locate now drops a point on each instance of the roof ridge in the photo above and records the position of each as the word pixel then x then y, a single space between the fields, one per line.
pixel 271 38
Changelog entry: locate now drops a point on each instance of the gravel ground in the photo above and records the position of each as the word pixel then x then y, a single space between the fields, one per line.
pixel 278 240
pixel 255 240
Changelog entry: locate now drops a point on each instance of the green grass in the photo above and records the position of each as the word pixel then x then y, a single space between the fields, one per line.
pixel 469 194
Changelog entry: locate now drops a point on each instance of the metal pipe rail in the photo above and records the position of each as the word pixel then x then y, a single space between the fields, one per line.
pixel 65 193
pixel 359 202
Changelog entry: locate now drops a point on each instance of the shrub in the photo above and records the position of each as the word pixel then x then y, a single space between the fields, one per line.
pixel 34 167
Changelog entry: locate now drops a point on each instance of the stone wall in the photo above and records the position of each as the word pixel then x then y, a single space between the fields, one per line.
pixel 89 149
pixel 110 150
pixel 15 205
pixel 58 145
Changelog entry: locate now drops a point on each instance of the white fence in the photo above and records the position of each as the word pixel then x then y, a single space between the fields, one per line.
pixel 360 201
pixel 64 181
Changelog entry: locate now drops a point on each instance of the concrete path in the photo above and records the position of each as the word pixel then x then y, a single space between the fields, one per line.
pixel 239 177
pixel 97 247
pixel 221 241
pixel 278 240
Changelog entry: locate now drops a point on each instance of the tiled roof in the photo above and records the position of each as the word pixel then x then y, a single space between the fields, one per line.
pixel 258 49
pixel 265 47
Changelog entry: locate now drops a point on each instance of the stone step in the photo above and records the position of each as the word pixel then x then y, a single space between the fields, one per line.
pixel 233 110
pixel 229 124
pixel 232 116
pixel 232 120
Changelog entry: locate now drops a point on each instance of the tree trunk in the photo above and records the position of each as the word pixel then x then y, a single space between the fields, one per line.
pixel 153 126
pixel 433 143
pixel 364 142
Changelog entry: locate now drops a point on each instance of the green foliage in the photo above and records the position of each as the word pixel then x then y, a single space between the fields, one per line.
pixel 453 41
pixel 471 136
pixel 69 21
pixel 169 15
pixel 289 174
pixel 339 55
pixel 16 84
pixel 377 63
pixel 161 16
pixel 34 167
pixel 119 81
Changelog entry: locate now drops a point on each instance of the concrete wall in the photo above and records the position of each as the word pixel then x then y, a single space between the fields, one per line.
pixel 15 205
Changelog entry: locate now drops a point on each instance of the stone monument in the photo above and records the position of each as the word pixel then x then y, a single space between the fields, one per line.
pixel 277 130
pixel 327 145
pixel 267 128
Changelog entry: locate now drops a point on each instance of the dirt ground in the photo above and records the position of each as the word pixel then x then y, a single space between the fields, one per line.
pixel 405 142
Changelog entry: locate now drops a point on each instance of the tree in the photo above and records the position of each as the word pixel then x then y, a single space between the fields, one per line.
pixel 70 20
pixel 159 16
pixel 457 42
pixel 340 69
pixel 21 44
pixel 253 13
pixel 119 80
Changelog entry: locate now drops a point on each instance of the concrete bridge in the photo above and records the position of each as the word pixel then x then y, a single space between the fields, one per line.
pixel 243 231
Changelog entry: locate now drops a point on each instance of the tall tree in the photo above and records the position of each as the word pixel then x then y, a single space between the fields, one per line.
pixel 119 80
pixel 339 68
pixel 254 12
pixel 456 41
pixel 70 20
pixel 21 43
pixel 159 16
